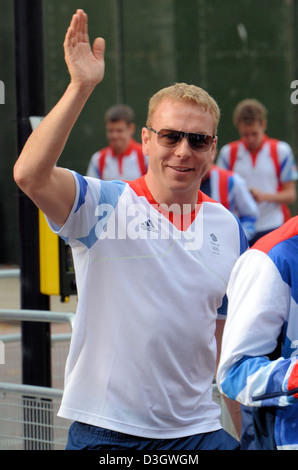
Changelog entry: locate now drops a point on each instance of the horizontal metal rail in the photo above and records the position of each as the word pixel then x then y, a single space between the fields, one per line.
pixel 22 389
pixel 9 273
pixel 37 316
pixel 16 337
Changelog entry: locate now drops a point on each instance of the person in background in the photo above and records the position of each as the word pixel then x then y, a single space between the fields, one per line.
pixel 123 158
pixel 259 357
pixel 231 191
pixel 266 164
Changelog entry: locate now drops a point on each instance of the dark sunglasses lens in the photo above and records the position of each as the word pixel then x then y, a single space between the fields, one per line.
pixel 200 141
pixel 169 138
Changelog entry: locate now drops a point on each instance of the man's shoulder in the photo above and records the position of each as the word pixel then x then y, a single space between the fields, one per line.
pixel 282 147
pixel 229 150
pixel 287 231
pixel 281 248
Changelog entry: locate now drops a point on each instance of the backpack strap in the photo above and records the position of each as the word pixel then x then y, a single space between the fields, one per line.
pixel 223 180
pixel 233 155
pixel 102 161
pixel 274 155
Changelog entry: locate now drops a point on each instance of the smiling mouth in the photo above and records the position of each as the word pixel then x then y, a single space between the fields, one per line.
pixel 181 169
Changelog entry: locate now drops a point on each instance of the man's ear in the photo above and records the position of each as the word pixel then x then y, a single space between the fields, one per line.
pixel 145 141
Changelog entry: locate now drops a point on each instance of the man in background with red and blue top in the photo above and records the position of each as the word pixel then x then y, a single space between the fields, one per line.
pixel 229 188
pixel 259 357
pixel 267 165
pixel 123 158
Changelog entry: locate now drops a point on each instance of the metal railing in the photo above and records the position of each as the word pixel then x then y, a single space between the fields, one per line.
pixel 11 364
pixel 10 368
pixel 28 418
pixel 37 315
pixel 9 273
pixel 28 414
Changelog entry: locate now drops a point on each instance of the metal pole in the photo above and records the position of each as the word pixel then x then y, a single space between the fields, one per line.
pixel 120 52
pixel 36 340
pixel 30 102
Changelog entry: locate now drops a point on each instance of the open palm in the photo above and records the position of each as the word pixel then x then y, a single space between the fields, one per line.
pixel 85 65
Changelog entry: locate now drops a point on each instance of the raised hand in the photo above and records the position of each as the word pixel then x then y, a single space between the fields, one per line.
pixel 86 66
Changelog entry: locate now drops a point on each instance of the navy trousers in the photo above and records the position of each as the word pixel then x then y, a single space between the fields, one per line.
pixel 86 437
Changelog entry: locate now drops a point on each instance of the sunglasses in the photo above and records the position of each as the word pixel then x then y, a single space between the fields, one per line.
pixel 170 138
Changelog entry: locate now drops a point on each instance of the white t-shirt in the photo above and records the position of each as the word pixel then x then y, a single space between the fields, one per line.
pixel 143 351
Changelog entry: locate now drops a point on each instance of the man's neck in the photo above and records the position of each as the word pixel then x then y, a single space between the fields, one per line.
pixel 118 151
pixel 182 202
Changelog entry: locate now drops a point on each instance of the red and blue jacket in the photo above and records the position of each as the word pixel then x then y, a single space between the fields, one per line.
pixel 259 360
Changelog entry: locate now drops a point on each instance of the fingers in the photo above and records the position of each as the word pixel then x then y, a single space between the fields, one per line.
pixel 78 29
pixel 82 26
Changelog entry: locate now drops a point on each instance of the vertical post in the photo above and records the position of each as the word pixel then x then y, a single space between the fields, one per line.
pixel 119 51
pixel 36 347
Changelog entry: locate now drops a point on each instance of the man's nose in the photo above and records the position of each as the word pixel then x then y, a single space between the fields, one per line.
pixel 183 148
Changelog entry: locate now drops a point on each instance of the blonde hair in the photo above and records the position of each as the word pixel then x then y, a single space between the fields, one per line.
pixel 249 111
pixel 185 93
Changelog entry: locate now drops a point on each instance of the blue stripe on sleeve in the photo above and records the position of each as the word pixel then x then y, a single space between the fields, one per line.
pixel 236 379
pixel 277 376
pixel 230 189
pixel 110 191
pixel 243 239
pixel 83 190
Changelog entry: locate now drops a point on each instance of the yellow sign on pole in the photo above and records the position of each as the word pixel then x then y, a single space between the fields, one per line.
pixel 49 258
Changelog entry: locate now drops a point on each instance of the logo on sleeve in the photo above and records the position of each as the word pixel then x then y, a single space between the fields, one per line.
pixel 215 246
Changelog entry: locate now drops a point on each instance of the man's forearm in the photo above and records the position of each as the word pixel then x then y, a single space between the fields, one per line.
pixel 287 195
pixel 52 188
pixel 281 197
pixel 45 145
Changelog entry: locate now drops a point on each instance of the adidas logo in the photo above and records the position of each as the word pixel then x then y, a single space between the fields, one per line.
pixel 149 226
